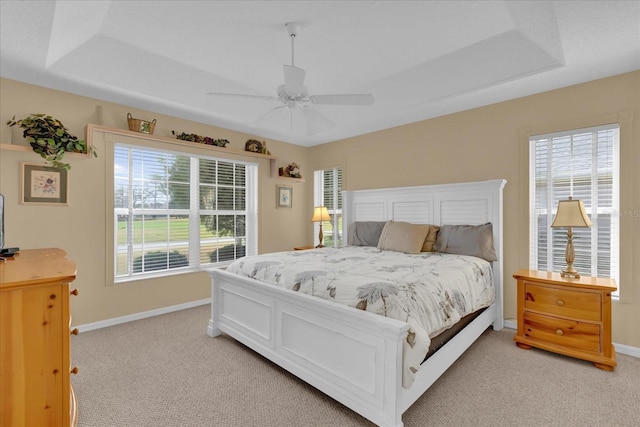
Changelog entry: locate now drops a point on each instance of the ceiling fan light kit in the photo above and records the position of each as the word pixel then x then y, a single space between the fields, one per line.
pixel 297 103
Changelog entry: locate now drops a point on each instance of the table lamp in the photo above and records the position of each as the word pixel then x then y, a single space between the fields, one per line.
pixel 320 214
pixel 571 213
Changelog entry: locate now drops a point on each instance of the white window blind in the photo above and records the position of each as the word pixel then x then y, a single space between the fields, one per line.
pixel 328 192
pixel 584 164
pixel 177 212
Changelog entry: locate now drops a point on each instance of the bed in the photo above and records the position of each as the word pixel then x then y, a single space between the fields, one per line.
pixel 356 356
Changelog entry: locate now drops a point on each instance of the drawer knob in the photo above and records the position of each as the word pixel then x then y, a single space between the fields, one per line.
pixel 74 292
pixel 559 332
pixel 75 331
pixel 74 370
pixel 560 302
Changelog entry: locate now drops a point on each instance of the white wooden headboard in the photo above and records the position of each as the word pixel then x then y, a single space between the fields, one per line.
pixel 471 203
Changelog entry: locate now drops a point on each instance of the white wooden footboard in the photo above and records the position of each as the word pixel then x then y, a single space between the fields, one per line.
pixel 353 356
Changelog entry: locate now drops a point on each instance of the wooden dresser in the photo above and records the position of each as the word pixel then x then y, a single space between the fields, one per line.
pixel 35 361
pixel 567 316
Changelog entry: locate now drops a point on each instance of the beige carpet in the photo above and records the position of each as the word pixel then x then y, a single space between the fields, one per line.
pixel 166 371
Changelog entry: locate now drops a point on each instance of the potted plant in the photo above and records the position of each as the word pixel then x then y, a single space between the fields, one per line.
pixel 49 138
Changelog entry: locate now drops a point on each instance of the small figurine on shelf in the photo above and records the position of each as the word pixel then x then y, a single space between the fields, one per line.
pixel 255 146
pixel 292 171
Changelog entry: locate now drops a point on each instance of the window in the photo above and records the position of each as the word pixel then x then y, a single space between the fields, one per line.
pixel 178 212
pixel 584 164
pixel 328 192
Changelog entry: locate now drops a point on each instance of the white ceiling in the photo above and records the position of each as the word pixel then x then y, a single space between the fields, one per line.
pixel 419 59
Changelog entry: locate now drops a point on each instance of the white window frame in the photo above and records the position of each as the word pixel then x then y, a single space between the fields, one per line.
pixel 318 200
pixel 194 212
pixel 551 207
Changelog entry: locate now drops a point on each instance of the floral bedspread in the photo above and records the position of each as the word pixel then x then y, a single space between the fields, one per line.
pixel 429 291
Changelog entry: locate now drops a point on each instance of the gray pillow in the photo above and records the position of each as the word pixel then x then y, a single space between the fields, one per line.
pixel 474 240
pixel 365 233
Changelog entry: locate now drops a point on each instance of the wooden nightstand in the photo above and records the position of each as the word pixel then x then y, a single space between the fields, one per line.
pixel 566 316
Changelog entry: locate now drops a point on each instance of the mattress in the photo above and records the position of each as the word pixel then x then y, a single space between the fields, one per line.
pixel 429 291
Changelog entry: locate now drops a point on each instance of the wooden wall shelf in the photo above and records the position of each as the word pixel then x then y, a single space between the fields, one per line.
pixel 91 128
pixel 14 147
pixel 272 159
pixel 27 148
pixel 275 173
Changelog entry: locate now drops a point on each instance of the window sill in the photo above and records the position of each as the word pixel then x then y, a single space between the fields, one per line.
pixel 164 273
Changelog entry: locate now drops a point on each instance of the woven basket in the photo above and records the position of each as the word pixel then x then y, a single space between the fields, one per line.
pixel 142 126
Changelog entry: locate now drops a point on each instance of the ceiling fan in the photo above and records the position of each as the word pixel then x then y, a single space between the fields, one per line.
pixel 297 103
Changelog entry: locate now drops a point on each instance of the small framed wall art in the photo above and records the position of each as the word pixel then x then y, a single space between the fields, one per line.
pixel 284 196
pixel 43 185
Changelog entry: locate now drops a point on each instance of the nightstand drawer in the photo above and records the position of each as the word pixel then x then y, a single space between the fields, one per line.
pixel 566 333
pixel 563 302
pixel 570 316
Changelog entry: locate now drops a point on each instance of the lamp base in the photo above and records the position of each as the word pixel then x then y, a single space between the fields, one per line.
pixel 570 256
pixel 570 273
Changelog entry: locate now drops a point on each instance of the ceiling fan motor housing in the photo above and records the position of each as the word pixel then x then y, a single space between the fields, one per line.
pixel 292 28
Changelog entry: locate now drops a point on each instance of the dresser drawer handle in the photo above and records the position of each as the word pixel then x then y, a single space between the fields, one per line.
pixel 559 332
pixel 74 292
pixel 560 302
pixel 75 331
pixel 74 370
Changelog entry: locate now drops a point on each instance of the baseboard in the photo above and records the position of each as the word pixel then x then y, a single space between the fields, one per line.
pixel 143 315
pixel 508 323
pixel 627 349
pixel 620 348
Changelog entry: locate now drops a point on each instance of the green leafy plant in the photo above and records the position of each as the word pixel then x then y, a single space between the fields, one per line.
pixel 50 138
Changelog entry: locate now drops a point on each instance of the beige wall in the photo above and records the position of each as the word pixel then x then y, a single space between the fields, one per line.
pixel 480 144
pixel 80 228
pixel 492 142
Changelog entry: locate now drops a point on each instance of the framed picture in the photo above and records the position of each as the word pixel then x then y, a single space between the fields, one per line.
pixel 284 196
pixel 40 184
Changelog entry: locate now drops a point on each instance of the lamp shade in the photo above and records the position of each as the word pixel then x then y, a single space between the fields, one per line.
pixel 571 213
pixel 320 214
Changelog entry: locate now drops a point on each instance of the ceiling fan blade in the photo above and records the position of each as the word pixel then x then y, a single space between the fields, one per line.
pixel 315 122
pixel 293 79
pixel 356 99
pixel 297 120
pixel 240 95
pixel 271 116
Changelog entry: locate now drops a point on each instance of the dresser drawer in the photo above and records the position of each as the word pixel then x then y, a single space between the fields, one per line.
pixel 566 333
pixel 563 302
